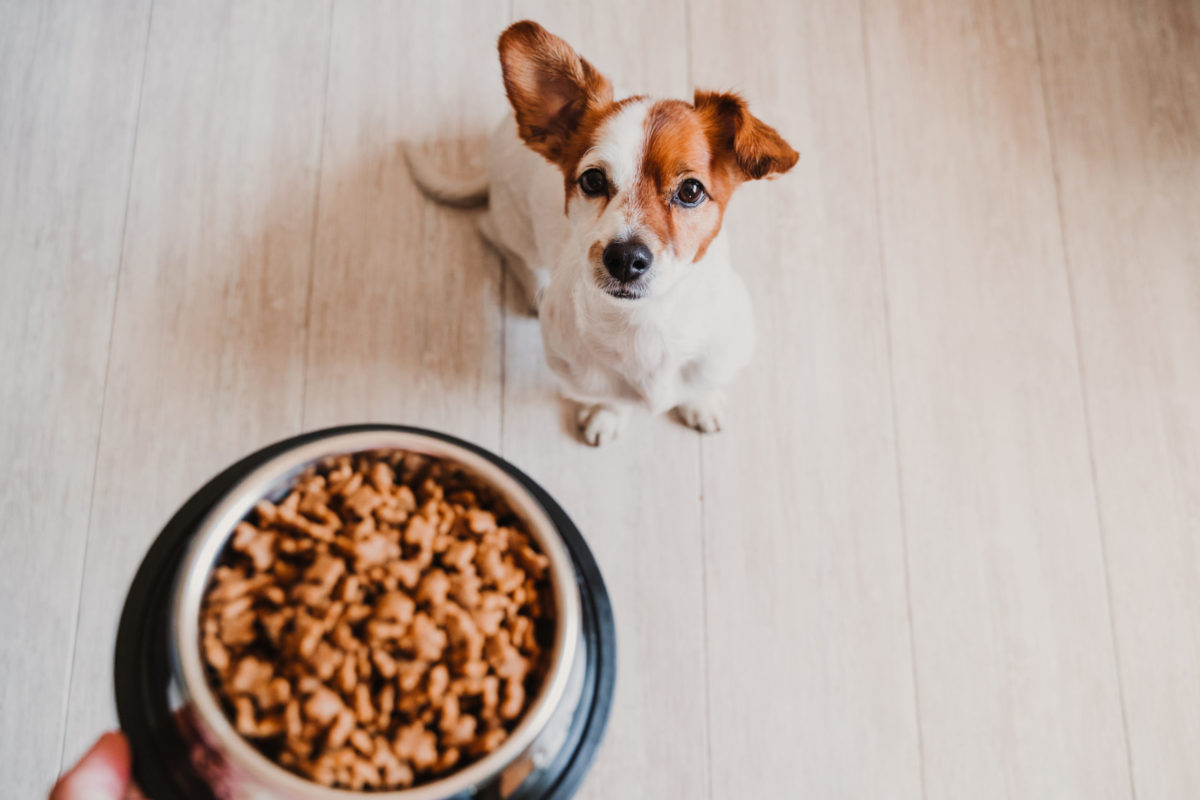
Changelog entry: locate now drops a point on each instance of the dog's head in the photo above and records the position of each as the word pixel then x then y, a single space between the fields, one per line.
pixel 647 182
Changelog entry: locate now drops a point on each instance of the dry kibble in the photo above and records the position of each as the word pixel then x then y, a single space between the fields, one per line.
pixel 322 706
pixel 259 545
pixel 475 670
pixel 382 477
pixel 409 675
pixel 274 694
pixel 309 632
pixel 417 745
pixel 464 588
pixel 480 521
pixel 245 721
pixel 491 563
pixel 448 759
pixel 489 741
pixel 424 639
pixel 343 636
pixel 514 699
pixel 362 704
pixel 293 723
pixel 433 588
pixel 343 726
pixel 420 532
pixel 395 607
pixel 375 549
pixel 349 485
pixel 325 571
pixel 463 631
pixel 459 555
pixel 439 680
pixel 462 732
pixel 363 501
pixel 363 774
pixel 215 653
pixel 376 628
pixel 534 562
pixel 362 742
pixel 385 665
pixel 406 573
pixel 238 631
pixel 325 660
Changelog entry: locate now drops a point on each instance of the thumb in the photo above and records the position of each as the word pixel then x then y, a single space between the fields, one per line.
pixel 102 774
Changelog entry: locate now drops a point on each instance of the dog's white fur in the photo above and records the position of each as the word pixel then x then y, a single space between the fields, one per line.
pixel 677 347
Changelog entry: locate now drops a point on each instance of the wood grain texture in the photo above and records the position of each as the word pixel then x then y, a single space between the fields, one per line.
pixel 69 80
pixel 207 353
pixel 637 500
pixel 810 677
pixel 1015 666
pixel 1129 179
pixel 406 308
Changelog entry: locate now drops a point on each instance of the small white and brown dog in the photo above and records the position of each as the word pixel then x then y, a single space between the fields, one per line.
pixel 638 299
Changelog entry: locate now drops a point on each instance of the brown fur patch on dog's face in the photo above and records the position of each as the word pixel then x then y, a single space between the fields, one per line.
pixel 677 149
pixel 586 138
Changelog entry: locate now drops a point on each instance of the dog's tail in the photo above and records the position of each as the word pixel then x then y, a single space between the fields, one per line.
pixel 446 189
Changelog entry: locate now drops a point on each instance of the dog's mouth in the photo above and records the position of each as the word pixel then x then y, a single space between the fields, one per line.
pixel 621 290
pixel 625 291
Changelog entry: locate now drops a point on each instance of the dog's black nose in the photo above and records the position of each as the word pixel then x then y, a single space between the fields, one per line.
pixel 626 261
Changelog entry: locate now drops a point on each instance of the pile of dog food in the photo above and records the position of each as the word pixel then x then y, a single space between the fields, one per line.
pixel 389 621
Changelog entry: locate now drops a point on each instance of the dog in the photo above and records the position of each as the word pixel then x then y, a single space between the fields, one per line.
pixel 608 212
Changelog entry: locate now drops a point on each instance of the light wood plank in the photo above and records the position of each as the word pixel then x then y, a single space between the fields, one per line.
pixel 810 677
pixel 1016 672
pixel 637 499
pixel 207 354
pixel 406 310
pixel 1123 89
pixel 69 79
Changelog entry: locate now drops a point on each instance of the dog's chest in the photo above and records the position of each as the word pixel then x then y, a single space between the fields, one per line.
pixel 639 360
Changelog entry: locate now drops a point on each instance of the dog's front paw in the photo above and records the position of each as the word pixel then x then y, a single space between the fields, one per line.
pixel 704 414
pixel 599 423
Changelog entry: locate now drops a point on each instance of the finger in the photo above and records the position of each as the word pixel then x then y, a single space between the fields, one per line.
pixel 102 774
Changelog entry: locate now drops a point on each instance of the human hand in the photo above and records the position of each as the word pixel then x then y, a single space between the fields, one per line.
pixel 102 773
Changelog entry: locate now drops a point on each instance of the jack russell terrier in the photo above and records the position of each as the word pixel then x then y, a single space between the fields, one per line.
pixel 609 213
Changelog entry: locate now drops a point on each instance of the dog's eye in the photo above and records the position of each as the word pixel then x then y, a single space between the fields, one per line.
pixel 690 193
pixel 593 183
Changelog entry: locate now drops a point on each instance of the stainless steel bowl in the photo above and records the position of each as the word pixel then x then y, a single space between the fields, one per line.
pixel 237 771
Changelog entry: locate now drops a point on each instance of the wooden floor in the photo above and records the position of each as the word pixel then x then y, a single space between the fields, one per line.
pixel 949 546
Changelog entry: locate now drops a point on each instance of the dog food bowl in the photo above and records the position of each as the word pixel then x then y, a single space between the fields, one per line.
pixel 185 747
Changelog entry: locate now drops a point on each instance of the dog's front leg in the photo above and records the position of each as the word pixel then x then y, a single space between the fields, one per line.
pixel 600 423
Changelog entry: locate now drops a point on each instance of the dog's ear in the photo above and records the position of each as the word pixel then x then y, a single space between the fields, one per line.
pixel 753 147
pixel 549 85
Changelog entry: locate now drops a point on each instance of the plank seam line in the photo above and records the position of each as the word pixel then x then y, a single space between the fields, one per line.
pixel 704 615
pixel 887 326
pixel 316 220
pixel 1082 376
pixel 112 324
pixel 704 619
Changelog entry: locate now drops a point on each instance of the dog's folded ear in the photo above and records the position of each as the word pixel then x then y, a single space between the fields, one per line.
pixel 754 148
pixel 549 85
